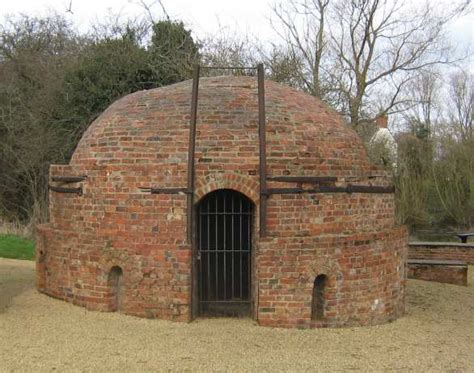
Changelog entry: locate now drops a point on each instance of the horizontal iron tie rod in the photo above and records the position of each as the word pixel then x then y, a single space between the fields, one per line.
pixel 165 190
pixel 333 189
pixel 301 190
pixel 66 190
pixel 369 189
pixel 303 179
pixel 68 179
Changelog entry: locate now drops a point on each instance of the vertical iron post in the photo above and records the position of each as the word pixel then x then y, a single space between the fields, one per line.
pixel 262 150
pixel 192 147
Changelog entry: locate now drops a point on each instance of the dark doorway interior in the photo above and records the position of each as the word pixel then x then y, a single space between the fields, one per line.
pixel 318 304
pixel 115 283
pixel 224 241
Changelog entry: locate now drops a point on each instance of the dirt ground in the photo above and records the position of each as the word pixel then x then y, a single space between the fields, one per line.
pixel 38 333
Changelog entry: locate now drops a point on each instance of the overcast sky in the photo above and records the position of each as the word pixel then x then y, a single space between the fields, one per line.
pixel 204 17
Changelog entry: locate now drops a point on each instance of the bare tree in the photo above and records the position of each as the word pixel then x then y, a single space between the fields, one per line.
pixel 461 107
pixel 147 7
pixel 116 26
pixel 227 48
pixel 363 54
pixel 301 24
pixel 283 66
pixel 424 107
pixel 34 55
pixel 381 45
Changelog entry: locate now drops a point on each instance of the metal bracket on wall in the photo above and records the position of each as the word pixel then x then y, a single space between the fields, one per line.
pixel 68 179
pixel 77 191
pixel 164 190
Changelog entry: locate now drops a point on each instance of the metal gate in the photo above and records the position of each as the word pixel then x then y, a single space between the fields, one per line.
pixel 224 241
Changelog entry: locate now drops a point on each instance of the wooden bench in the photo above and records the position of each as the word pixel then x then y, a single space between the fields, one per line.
pixel 465 236
pixel 446 271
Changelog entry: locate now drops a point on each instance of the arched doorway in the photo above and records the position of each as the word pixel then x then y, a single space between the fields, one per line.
pixel 224 244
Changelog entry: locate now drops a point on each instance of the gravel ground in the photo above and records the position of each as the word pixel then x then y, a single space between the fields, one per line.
pixel 38 333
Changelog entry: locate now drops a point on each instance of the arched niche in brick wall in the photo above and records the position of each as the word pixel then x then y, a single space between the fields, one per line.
pixel 116 289
pixel 318 304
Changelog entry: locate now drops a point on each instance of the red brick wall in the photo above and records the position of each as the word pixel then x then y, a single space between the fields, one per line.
pixel 439 272
pixel 441 250
pixel 142 141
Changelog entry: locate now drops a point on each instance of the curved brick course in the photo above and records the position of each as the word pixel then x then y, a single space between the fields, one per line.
pixel 142 141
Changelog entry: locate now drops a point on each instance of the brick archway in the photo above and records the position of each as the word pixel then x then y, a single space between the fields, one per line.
pixel 243 184
pixel 324 266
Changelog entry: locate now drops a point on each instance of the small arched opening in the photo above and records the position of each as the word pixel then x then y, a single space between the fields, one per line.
pixel 115 284
pixel 318 303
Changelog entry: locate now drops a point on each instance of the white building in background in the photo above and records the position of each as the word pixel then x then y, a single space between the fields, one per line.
pixel 383 144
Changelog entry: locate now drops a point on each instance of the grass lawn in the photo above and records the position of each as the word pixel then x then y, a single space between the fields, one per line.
pixel 16 247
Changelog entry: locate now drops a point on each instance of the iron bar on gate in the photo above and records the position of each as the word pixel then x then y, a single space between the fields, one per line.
pixel 224 244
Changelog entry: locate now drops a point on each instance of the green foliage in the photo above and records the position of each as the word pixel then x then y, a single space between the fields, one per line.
pixel 16 247
pixel 113 67
pixel 105 71
pixel 412 173
pixel 33 55
pixel 54 82
pixel 453 183
pixel 435 183
pixel 173 52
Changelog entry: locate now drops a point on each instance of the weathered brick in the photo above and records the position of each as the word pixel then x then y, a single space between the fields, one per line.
pixel 446 271
pixel 441 251
pixel 142 140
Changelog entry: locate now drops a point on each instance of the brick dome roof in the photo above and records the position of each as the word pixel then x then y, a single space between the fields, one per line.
pixel 304 135
pixel 333 255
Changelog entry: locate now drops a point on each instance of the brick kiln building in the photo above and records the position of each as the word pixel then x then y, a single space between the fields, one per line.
pixel 295 230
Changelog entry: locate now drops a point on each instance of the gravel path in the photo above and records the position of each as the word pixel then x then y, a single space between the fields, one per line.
pixel 38 333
